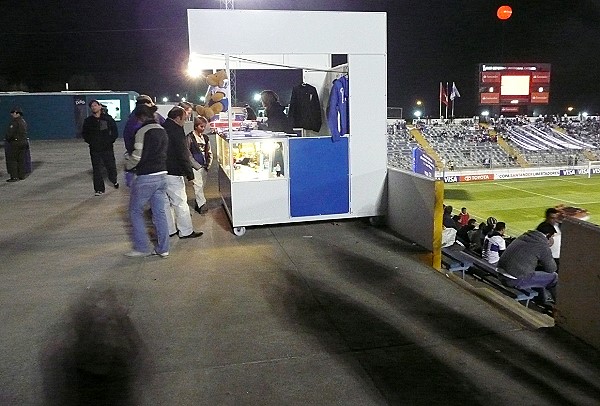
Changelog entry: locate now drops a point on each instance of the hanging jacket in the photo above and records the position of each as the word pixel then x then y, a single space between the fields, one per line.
pixel 305 108
pixel 337 112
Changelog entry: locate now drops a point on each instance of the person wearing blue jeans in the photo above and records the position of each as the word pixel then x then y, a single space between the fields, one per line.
pixel 149 162
pixel 149 189
pixel 528 263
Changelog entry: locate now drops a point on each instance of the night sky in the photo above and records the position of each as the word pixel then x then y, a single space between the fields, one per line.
pixel 143 46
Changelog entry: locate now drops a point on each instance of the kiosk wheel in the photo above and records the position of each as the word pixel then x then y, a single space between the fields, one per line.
pixel 239 231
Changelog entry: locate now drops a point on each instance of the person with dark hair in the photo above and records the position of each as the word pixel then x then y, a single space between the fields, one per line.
pixel 276 118
pixel 447 220
pixel 462 235
pixel 201 158
pixel 149 162
pixel 250 113
pixel 528 263
pixel 179 167
pixel 100 132
pixel 187 107
pixel 16 150
pixel 494 244
pixel 133 123
pixel 554 217
pixel 464 217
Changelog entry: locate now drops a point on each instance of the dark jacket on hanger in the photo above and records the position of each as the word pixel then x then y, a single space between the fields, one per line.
pixel 277 120
pixel 305 109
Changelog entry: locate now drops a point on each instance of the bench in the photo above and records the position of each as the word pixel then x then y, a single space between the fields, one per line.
pixel 482 270
pixel 455 265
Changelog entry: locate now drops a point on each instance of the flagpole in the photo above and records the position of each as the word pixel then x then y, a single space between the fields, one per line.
pixel 454 98
pixel 447 93
pixel 440 100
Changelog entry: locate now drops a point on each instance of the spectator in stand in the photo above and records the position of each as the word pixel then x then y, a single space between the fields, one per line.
pixel 490 223
pixel 554 218
pixel 464 217
pixel 494 244
pixel 447 220
pixel 528 263
pixel 475 240
pixel 462 235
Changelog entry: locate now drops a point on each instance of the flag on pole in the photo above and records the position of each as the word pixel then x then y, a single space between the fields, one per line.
pixel 443 95
pixel 454 92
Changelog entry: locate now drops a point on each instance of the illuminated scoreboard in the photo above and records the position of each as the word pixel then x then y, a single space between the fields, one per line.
pixel 514 84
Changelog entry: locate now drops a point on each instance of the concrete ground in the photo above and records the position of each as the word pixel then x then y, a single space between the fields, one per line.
pixel 328 313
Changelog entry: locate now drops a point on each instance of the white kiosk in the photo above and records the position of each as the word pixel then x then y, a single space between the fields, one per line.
pixel 296 179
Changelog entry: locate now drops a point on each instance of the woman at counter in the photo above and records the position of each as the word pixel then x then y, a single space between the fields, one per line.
pixel 276 118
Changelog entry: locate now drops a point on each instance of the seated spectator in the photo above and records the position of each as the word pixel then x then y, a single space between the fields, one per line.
pixel 462 235
pixel 554 217
pixel 464 217
pixel 475 240
pixel 488 227
pixel 528 263
pixel 447 220
pixel 494 244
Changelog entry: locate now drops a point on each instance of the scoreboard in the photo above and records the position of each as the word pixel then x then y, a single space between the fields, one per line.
pixel 512 85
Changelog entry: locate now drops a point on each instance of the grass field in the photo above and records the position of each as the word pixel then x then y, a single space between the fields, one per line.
pixel 521 203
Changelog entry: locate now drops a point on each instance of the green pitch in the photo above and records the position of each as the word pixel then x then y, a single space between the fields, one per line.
pixel 521 203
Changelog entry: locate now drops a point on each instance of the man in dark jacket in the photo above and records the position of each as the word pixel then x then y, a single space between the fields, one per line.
pixel 179 167
pixel 100 132
pixel 528 263
pixel 149 162
pixel 16 137
pixel 276 118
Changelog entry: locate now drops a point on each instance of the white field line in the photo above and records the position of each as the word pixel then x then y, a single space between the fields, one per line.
pixel 537 194
pixel 572 181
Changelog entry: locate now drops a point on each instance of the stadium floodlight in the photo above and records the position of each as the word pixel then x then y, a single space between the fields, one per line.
pixel 418 114
pixel 183 99
pixel 584 114
pixel 485 113
pixel 256 97
pixel 419 102
pixel 570 109
pixel 165 99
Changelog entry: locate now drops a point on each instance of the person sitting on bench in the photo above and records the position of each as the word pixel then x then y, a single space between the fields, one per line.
pixel 528 263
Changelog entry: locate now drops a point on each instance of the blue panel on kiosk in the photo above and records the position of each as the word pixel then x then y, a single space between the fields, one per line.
pixel 319 176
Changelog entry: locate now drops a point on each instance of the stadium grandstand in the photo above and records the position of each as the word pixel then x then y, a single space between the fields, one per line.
pixel 505 143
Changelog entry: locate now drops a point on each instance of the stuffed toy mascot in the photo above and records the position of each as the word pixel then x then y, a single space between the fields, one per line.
pixel 216 100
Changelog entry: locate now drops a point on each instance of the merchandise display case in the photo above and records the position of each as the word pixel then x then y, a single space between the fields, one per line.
pixel 252 178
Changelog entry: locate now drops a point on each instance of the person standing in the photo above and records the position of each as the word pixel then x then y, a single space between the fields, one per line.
pixel 179 167
pixel 16 137
pixel 148 161
pixel 276 118
pixel 201 158
pixel 100 132
pixel 132 125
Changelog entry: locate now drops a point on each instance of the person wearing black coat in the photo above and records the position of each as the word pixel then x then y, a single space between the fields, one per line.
pixel 17 144
pixel 179 167
pixel 100 132
pixel 276 118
